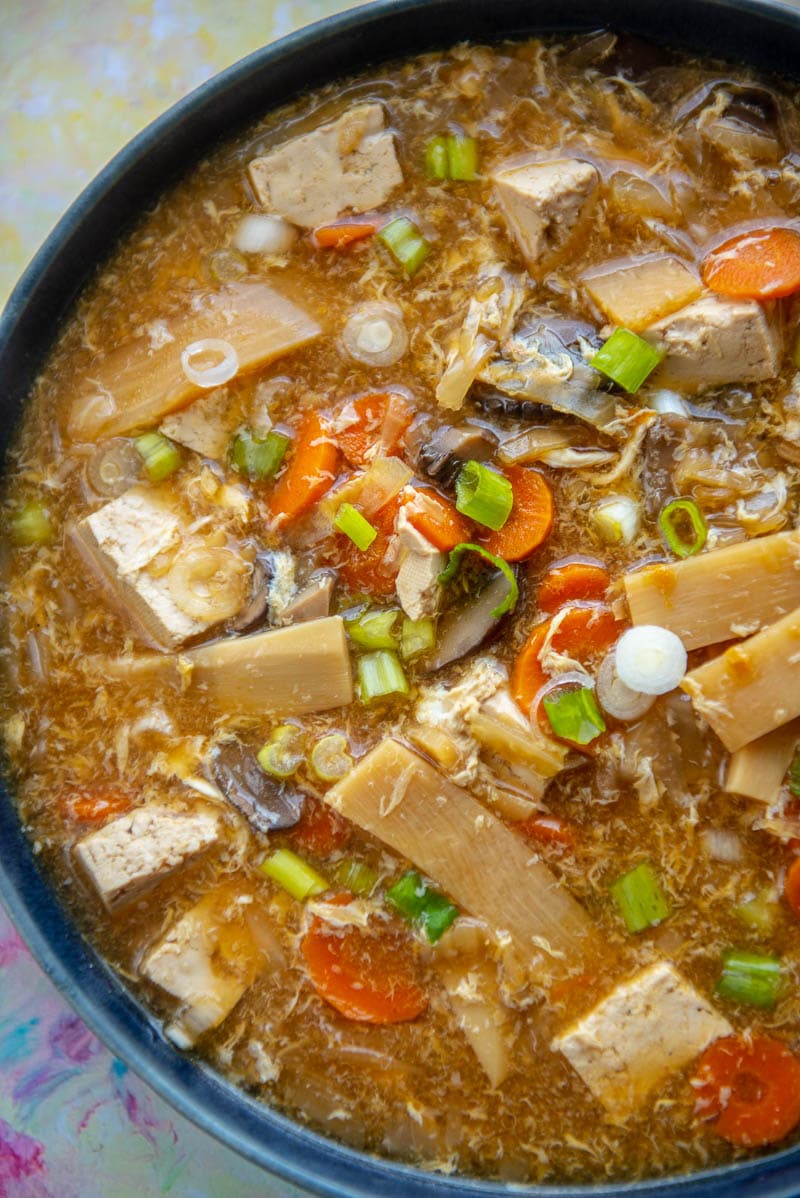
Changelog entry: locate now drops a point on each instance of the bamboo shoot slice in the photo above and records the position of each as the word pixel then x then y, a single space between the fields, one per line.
pixel 136 386
pixel 758 769
pixel 753 687
pixel 486 868
pixel 635 294
pixel 294 670
pixel 730 592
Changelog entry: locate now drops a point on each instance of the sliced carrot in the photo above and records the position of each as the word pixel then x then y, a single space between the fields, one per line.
pixel 342 233
pixel 583 632
pixel 531 517
pixel 791 887
pixel 436 518
pixel 373 571
pixel 382 421
pixel 367 976
pixel 321 830
pixel 548 829
pixel 564 990
pixel 94 806
pixel 761 264
pixel 573 581
pixel 750 1086
pixel 310 473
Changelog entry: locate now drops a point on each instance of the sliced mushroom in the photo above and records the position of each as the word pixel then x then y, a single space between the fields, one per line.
pixel 266 803
pixel 467 625
pixel 254 614
pixel 441 453
pixel 313 602
pixel 542 370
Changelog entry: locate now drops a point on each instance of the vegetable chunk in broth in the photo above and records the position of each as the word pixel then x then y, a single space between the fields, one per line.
pixel 401 640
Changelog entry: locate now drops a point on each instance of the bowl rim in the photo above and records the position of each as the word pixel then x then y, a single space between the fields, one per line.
pixel 287 1149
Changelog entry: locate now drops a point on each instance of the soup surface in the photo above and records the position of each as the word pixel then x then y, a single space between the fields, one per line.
pixel 401 608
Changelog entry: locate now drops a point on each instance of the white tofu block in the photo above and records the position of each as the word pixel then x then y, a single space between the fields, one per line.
pixel 348 165
pixel 646 1029
pixel 544 205
pixel 142 847
pixel 421 563
pixel 715 341
pixel 206 426
pixel 120 542
pixel 206 960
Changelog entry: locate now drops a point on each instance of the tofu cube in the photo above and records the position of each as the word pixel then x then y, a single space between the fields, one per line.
pixel 421 563
pixel 545 204
pixel 205 426
pixel 120 542
pixel 348 165
pixel 716 340
pixel 207 960
pixel 142 847
pixel 646 1029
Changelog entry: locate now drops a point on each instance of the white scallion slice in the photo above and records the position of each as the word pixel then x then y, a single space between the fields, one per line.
pixel 650 659
pixel 617 699
pixel 262 233
pixel 209 362
pixel 617 519
pixel 375 335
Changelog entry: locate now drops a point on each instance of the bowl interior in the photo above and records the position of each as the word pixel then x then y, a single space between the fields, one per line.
pixel 766 34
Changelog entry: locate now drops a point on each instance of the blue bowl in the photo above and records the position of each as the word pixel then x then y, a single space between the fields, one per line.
pixel 765 33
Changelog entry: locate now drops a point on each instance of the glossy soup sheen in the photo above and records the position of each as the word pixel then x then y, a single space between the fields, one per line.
pixel 681 154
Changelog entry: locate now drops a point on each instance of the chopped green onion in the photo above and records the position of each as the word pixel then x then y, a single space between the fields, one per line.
pixel 760 912
pixel 436 158
pixel 405 243
pixel 574 715
pixel 617 519
pixel 640 898
pixel 484 495
pixel 356 876
pixel 349 520
pixel 682 540
pixel 160 457
pixel 282 755
pixel 750 978
pixel 419 903
pixel 258 457
pixel 293 874
pixel 330 757
pixel 626 359
pixel 380 674
pixel 462 157
pixel 374 629
pixel 30 525
pixel 417 636
pixel 794 775
pixel 454 563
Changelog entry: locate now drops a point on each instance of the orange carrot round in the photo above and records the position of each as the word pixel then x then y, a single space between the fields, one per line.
pixel 548 829
pixel 791 886
pixel 368 977
pixel 382 418
pixel 371 571
pixel 531 517
pixel 310 473
pixel 342 233
pixel 321 830
pixel 761 264
pixel 584 632
pixel 573 581
pixel 750 1087
pixel 436 518
pixel 94 806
